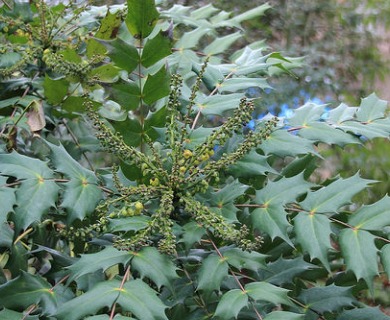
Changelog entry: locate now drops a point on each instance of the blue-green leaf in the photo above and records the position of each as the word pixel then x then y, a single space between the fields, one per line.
pixel 133 296
pixel 372 217
pixel 360 253
pixel 366 313
pixel 284 315
pixel 213 270
pixel 265 291
pixel 231 304
pixel 154 265
pixel 327 299
pixel 313 234
pixel 330 198
pixel 371 108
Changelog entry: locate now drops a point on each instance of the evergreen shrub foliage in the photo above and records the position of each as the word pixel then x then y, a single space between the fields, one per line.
pixel 132 186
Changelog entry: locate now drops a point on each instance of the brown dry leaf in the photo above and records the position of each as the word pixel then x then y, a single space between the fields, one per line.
pixel 36 116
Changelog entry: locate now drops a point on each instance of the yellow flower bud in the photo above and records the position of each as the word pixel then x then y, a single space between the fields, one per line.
pixel 187 153
pixel 138 206
pixel 154 182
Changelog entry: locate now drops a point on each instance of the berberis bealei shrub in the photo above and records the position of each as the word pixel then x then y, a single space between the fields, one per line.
pixel 131 186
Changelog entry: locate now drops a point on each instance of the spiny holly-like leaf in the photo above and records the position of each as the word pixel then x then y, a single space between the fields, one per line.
pixel 107 73
pixel 284 315
pixel 157 267
pixel 313 234
pixel 366 313
pixel 34 198
pixel 89 263
pixel 108 30
pixel 150 55
pixel 28 289
pixel 7 199
pixel 213 270
pixel 283 271
pixel 385 256
pixel 282 191
pixel 272 220
pixel 244 260
pixel 156 86
pixel 375 129
pixel 362 258
pixel 236 84
pixel 23 167
pixel 220 44
pixel 134 296
pixel 340 114
pixel 372 217
pixel 319 131
pixel 141 17
pixel 217 104
pixel 81 192
pixel 252 164
pixel 306 114
pixel 331 197
pixel 192 232
pixel 107 317
pixel 271 217
pixel 283 143
pixel 123 54
pixel 231 304
pixel 265 291
pixel 329 298
pixel 371 108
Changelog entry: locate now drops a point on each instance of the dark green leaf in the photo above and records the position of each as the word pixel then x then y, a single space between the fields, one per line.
pixel 107 73
pixel 134 296
pixel 34 199
pixel 366 313
pixel 192 232
pixel 283 271
pixel 313 234
pixel 331 197
pixel 362 259
pixel 156 49
pixel 231 304
pixel 25 290
pixel 329 298
pixel 55 90
pixel 131 131
pixel 252 164
pixel 141 17
pixel 108 30
pixel 244 260
pixel 154 265
pixel 81 192
pixel 157 86
pixel 372 217
pixel 89 263
pixel 213 270
pixel 127 94
pixel 123 54
pixel 265 291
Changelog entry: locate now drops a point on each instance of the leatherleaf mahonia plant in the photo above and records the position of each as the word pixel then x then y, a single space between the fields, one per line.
pixel 175 173
pixel 134 183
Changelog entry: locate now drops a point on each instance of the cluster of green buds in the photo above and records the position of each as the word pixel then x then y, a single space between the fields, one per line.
pixel 85 233
pixel 176 173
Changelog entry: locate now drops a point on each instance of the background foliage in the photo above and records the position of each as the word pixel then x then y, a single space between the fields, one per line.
pixel 87 235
